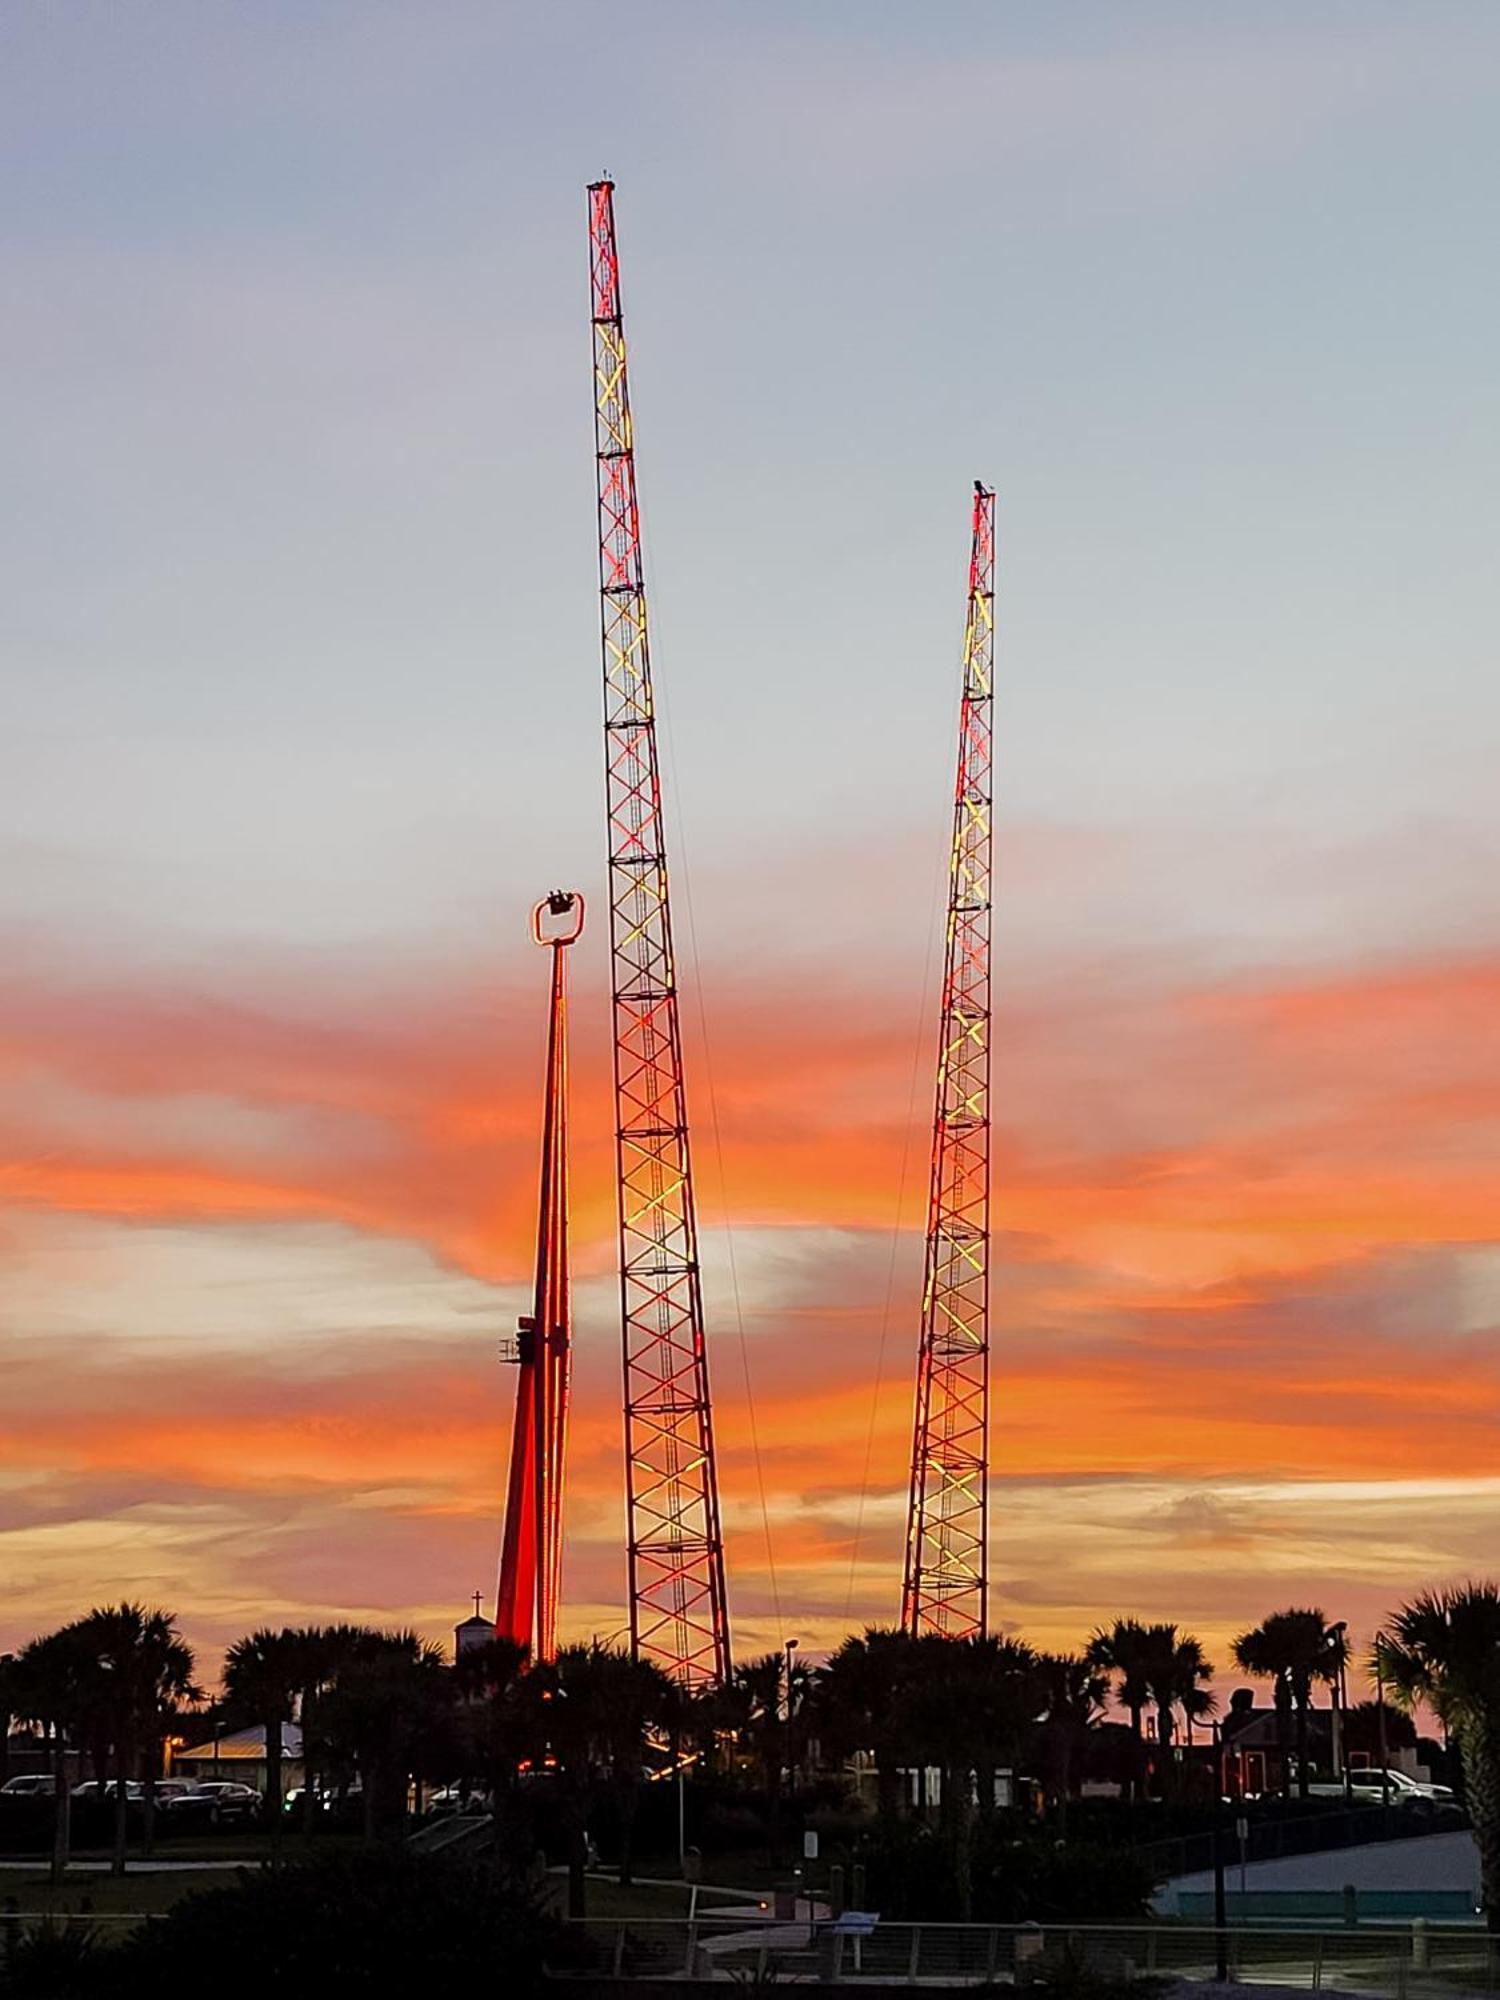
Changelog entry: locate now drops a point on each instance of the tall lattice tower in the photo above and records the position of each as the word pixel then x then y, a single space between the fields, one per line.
pixel 946 1579
pixel 678 1611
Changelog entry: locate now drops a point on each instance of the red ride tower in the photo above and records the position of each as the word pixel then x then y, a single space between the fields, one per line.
pixel 531 1556
pixel 946 1581
pixel 678 1611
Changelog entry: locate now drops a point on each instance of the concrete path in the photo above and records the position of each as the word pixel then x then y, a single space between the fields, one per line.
pixel 1435 1861
pixel 132 1868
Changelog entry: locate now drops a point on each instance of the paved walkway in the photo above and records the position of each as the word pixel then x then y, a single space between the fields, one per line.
pixel 1435 1861
pixel 39 1867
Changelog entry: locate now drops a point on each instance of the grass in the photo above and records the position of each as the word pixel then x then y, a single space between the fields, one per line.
pixel 101 1895
pixel 606 1900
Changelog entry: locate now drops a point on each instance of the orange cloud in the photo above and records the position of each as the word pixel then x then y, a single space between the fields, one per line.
pixel 1234 1222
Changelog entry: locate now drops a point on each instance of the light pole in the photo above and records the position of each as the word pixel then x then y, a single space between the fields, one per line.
pixel 1385 1773
pixel 1338 1634
pixel 790 1649
pixel 1221 1911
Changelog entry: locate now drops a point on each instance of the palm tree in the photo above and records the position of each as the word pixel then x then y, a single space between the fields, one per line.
pixel 764 1698
pixel 995 1704
pixel 1176 1673
pixel 1444 1649
pixel 387 1699
pixel 599 1710
pixel 1295 1650
pixel 1375 1732
pixel 858 1703
pixel 9 1712
pixel 50 1675
pixel 140 1666
pixel 1122 1651
pixel 486 1686
pixel 262 1676
pixel 1073 1694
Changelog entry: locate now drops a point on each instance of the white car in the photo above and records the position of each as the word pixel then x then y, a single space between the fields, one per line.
pixel 1402 1788
pixel 94 1789
pixel 28 1784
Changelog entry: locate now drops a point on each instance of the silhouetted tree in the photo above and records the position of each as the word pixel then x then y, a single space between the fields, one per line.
pixel 388 1702
pixel 859 1703
pixel 1443 1648
pixel 1364 1727
pixel 1122 1650
pixel 593 1711
pixel 1073 1693
pixel 134 1666
pixel 51 1677
pixel 1295 1650
pixel 9 1709
pixel 1176 1673
pixel 262 1676
pixel 487 1682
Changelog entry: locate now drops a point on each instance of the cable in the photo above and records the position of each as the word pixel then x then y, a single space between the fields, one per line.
pixel 890 1276
pixel 684 876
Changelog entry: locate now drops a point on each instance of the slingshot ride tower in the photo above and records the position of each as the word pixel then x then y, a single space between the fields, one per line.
pixel 946 1582
pixel 675 1550
pixel 531 1554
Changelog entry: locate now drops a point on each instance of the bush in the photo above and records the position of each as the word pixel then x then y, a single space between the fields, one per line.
pixel 53 1961
pixel 379 1921
pixel 1044 1882
pixel 912 1875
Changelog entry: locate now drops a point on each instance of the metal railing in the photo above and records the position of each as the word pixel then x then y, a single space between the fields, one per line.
pixel 1411 1962
pixel 1272 1839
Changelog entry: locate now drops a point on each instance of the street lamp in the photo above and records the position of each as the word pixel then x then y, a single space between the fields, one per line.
pixel 790 1648
pixel 1385 1771
pixel 1338 1634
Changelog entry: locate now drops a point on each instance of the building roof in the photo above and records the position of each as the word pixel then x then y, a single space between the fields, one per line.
pixel 1259 1730
pixel 245 1745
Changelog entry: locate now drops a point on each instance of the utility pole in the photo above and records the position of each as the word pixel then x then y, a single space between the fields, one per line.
pixel 678 1610
pixel 945 1587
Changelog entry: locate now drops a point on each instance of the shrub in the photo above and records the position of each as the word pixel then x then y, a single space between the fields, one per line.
pixel 378 1921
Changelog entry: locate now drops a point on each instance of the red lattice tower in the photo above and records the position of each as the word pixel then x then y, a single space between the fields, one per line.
pixel 531 1553
pixel 946 1579
pixel 678 1612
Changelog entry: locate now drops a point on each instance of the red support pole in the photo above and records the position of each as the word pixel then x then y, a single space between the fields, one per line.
pixel 531 1555
pixel 678 1611
pixel 946 1583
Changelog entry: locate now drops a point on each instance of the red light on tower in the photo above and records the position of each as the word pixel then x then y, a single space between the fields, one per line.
pixel 531 1556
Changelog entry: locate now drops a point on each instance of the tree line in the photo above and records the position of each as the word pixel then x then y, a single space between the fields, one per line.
pixel 379 1710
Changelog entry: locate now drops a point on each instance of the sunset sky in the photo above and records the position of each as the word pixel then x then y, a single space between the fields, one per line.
pixel 302 713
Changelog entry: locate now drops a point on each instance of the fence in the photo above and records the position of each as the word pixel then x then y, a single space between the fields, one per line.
pixel 1407 1963
pixel 1271 1839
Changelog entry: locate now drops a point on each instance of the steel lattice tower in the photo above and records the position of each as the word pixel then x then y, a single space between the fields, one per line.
pixel 531 1554
pixel 946 1578
pixel 678 1611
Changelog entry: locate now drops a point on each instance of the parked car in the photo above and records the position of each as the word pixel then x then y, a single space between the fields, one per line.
pixel 332 1806
pixel 213 1804
pixel 170 1788
pixel 1368 1787
pixel 28 1784
pixel 457 1799
pixel 1402 1788
pixel 93 1788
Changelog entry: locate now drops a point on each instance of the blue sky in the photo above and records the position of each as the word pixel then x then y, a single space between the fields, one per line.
pixel 298 327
